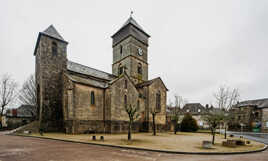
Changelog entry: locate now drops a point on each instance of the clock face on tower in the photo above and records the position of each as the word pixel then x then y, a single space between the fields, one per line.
pixel 140 52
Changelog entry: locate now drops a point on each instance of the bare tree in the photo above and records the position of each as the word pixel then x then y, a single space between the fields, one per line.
pixel 133 114
pixel 27 95
pixel 226 98
pixel 8 89
pixel 213 119
pixel 179 103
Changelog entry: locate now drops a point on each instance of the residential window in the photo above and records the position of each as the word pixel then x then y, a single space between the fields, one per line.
pixel 125 101
pixel 158 101
pixel 92 98
pixel 199 110
pixel 54 48
pixel 139 68
pixel 187 110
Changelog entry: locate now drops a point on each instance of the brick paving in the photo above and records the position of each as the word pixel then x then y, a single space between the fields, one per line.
pixel 16 148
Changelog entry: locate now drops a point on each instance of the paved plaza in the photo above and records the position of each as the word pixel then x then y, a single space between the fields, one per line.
pixel 16 148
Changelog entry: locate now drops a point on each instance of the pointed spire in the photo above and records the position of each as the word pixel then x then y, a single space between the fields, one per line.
pixel 52 32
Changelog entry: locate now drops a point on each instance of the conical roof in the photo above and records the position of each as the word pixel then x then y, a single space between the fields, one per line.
pixel 52 32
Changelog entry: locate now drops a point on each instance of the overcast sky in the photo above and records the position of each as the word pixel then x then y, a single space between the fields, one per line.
pixel 195 46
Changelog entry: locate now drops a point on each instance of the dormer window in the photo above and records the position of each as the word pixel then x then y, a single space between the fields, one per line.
pixel 54 48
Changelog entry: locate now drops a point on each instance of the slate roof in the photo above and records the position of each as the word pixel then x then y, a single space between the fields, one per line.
pixel 149 82
pixel 146 83
pixel 82 69
pixel 193 107
pixel 52 32
pixel 87 81
pixel 259 103
pixel 132 21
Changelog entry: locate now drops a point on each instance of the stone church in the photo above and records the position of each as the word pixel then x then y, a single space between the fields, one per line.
pixel 78 99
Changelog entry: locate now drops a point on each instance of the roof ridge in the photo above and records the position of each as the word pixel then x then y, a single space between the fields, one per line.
pixel 91 68
pixel 261 99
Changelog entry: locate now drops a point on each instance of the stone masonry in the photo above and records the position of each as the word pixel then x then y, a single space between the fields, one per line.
pixel 78 99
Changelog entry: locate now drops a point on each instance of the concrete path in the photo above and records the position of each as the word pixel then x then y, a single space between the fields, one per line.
pixel 16 148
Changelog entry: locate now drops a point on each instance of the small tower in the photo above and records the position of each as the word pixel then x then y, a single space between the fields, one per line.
pixel 50 63
pixel 130 51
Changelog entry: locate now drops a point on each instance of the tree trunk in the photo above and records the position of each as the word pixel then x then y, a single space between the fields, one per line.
pixel 225 132
pixel 213 138
pixel 129 131
pixel 175 127
pixel 213 135
pixel 154 125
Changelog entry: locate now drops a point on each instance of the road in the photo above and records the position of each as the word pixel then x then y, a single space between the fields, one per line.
pixel 260 137
pixel 16 148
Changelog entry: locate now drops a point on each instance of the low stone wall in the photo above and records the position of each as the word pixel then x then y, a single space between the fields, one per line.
pixel 99 126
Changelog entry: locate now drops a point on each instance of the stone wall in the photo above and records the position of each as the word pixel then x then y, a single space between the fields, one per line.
pixel 118 92
pixel 84 110
pixel 49 70
pixel 156 86
pixel 130 58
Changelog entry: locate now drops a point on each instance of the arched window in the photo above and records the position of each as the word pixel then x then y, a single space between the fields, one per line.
pixel 54 48
pixel 138 104
pixel 139 68
pixel 121 49
pixel 120 69
pixel 158 101
pixel 125 101
pixel 92 98
pixel 125 84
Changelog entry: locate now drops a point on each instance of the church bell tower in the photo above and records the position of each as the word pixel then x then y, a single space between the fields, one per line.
pixel 130 51
pixel 51 61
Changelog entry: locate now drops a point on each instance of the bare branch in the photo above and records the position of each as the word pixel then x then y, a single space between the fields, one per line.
pixel 27 94
pixel 8 89
pixel 226 97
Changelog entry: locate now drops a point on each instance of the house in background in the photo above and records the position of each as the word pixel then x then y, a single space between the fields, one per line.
pixel 251 114
pixel 195 109
pixel 19 116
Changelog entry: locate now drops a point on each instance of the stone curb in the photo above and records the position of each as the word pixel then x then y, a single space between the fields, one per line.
pixel 145 149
